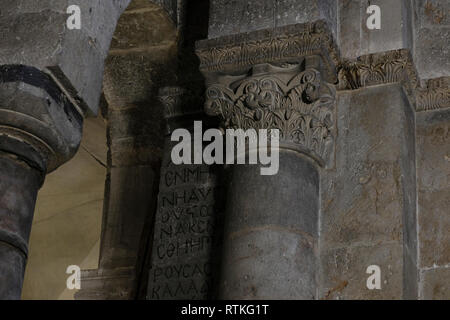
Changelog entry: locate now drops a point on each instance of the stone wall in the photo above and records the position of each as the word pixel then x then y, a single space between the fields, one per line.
pixel 369 182
pixel 432 38
pixel 139 62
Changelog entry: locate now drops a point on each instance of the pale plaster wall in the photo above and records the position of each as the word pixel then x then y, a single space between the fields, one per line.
pixel 67 224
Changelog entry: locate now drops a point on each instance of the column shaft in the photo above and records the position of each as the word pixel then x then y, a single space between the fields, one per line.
pixel 271 231
pixel 40 129
pixel 271 221
pixel 19 185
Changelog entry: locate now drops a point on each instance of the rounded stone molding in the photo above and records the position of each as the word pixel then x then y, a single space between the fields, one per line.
pixel 38 122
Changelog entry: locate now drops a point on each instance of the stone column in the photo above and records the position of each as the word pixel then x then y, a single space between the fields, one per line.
pixel 40 129
pixel 138 63
pixel 433 189
pixel 271 230
pixel 185 240
pixel 271 221
pixel 19 185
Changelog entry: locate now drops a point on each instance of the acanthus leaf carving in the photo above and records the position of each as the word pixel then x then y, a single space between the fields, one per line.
pixel 395 67
pixel 240 52
pixel 436 95
pixel 299 105
pixel 389 67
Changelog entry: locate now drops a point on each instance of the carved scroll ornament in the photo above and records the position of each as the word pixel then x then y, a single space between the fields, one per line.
pixel 300 105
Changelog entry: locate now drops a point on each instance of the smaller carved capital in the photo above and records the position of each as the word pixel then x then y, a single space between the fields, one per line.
pixel 380 68
pixel 178 101
pixel 181 107
pixel 435 95
pixel 395 67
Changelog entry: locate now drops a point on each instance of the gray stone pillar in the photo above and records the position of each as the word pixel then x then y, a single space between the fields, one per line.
pixel 271 222
pixel 433 186
pixel 40 129
pixel 19 184
pixel 184 240
pixel 138 63
pixel 271 231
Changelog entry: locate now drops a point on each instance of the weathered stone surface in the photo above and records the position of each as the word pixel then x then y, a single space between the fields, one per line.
pixel 149 26
pixel 275 247
pixel 271 222
pixel 432 38
pixel 142 58
pixel 33 110
pixel 435 284
pixel 432 52
pixel 233 17
pixel 12 266
pixel 39 29
pixel 355 39
pixel 185 238
pixel 435 94
pixel 270 233
pixel 182 256
pixel 94 139
pixel 345 276
pixel 396 27
pixel 173 8
pixel 367 198
pixel 134 132
pixel 40 129
pixel 349 38
pixel 125 206
pixel 109 284
pixel 309 45
pixel 432 13
pixel 433 169
pixel 269 262
pixel 134 78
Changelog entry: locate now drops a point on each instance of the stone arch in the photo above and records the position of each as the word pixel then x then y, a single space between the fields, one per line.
pixel 74 61
pixel 142 58
pixel 51 76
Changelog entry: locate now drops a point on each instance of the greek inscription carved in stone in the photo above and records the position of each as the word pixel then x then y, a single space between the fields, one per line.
pixel 184 228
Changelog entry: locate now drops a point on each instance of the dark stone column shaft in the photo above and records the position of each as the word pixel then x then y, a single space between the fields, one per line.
pixel 19 184
pixel 40 129
pixel 270 235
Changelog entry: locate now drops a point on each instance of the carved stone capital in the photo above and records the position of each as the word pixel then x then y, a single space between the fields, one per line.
pixel 182 107
pixel 39 124
pixel 178 101
pixel 395 67
pixel 295 101
pixel 380 68
pixel 238 53
pixel 276 79
pixel 434 95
